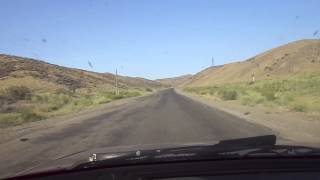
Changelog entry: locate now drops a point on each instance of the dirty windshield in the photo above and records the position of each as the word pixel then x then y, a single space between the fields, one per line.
pixel 76 76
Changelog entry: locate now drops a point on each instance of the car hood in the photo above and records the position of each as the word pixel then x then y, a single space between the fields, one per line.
pixel 154 153
pixel 68 161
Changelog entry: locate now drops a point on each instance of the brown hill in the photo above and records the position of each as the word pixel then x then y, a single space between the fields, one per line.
pixel 32 90
pixel 39 75
pixel 175 81
pixel 296 58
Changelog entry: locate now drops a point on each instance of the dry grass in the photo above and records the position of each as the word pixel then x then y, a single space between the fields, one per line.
pixel 28 107
pixel 300 93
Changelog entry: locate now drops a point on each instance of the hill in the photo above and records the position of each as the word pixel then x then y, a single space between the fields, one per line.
pixel 175 81
pixel 296 58
pixel 287 76
pixel 32 90
pixel 40 75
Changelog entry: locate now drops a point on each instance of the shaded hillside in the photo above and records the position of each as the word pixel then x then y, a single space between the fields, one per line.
pixel 140 82
pixel 296 58
pixel 175 81
pixel 47 77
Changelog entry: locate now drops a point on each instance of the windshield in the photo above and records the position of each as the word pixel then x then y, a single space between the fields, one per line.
pixel 76 76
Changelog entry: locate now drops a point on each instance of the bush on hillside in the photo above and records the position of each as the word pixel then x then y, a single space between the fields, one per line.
pixel 16 93
pixel 299 107
pixel 29 116
pixel 148 89
pixel 227 94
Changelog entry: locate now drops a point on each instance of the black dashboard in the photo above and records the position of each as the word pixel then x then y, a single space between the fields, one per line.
pixel 253 168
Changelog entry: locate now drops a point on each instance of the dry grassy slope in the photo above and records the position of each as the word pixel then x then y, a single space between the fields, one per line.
pixel 140 82
pixel 295 58
pixel 40 75
pixel 176 81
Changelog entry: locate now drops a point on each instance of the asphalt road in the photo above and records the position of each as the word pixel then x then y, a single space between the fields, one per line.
pixel 164 117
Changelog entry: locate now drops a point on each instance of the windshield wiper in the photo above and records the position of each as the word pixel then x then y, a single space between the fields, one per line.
pixel 260 146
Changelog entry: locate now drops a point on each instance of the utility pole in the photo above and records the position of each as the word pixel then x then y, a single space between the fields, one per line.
pixel 117 91
pixel 212 61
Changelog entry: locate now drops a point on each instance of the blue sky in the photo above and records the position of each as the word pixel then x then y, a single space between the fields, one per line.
pixel 151 38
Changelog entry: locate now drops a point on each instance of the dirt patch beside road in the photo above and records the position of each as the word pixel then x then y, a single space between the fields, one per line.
pixel 52 124
pixel 298 127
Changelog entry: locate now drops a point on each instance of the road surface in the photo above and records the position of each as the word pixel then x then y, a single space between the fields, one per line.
pixel 163 117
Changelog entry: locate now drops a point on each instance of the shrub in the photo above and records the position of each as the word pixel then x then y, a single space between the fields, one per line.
pixel 251 98
pixel 226 94
pixel 299 107
pixel 83 102
pixel 246 100
pixel 63 91
pixel 202 93
pixel 102 101
pixel 270 95
pixel 15 93
pixel 268 91
pixel 213 90
pixel 149 90
pixel 29 116
pixel 133 94
pixel 117 97
pixel 285 99
pixel 9 119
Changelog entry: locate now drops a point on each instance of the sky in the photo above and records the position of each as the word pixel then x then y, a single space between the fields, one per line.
pixel 152 38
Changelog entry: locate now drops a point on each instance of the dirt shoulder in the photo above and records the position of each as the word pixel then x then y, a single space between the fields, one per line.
pixel 298 127
pixel 60 122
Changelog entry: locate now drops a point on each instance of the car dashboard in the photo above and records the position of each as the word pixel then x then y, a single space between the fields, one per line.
pixel 251 168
